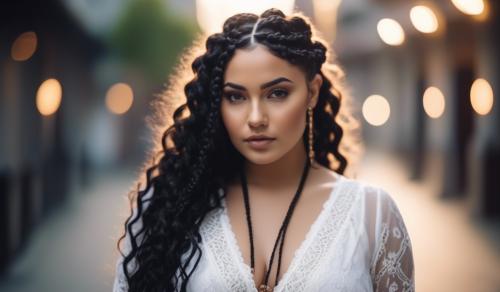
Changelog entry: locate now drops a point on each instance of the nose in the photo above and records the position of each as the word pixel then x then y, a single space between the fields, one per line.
pixel 257 117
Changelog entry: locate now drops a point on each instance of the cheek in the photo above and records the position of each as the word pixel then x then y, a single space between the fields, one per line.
pixel 231 120
pixel 291 121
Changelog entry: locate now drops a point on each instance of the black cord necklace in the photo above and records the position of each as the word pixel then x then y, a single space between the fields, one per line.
pixel 282 232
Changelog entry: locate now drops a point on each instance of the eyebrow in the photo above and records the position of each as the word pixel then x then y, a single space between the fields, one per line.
pixel 263 86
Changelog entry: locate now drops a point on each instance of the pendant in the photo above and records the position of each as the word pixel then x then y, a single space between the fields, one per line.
pixel 265 288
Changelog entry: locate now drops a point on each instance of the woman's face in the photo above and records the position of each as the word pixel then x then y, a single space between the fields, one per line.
pixel 265 95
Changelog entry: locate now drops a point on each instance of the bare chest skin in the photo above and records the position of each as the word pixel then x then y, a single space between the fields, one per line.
pixel 268 209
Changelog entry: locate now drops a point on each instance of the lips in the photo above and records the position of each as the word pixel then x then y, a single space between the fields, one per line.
pixel 258 138
pixel 259 142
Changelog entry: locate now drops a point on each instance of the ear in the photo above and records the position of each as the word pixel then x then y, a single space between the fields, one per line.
pixel 314 86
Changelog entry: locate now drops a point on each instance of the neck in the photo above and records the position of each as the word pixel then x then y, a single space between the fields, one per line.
pixel 280 174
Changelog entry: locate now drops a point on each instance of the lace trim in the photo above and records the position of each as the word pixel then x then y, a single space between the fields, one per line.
pixel 218 248
pixel 319 241
pixel 393 266
pixel 236 274
pixel 298 253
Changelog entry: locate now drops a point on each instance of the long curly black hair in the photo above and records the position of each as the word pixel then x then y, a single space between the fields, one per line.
pixel 194 157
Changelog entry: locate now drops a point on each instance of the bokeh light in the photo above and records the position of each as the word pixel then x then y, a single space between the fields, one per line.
pixel 325 15
pixel 212 13
pixel 391 32
pixel 424 19
pixel 434 102
pixel 119 98
pixel 470 7
pixel 24 46
pixel 481 96
pixel 48 97
pixel 376 110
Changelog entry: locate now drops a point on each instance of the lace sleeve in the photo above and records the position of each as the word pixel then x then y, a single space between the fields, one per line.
pixel 120 282
pixel 392 263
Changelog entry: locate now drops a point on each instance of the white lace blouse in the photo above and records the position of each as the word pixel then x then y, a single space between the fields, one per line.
pixel 358 242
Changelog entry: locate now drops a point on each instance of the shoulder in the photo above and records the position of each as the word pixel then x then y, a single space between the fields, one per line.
pixel 370 203
pixel 326 176
pixel 368 193
pixel 377 211
pixel 360 191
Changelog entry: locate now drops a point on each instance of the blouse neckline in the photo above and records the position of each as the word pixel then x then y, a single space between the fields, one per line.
pixel 299 252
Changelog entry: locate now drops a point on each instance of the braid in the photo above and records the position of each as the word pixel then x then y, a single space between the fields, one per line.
pixel 292 41
pixel 272 12
pixel 215 85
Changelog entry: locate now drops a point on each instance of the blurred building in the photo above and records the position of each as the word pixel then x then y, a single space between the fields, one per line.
pixel 76 81
pixel 441 86
pixel 40 155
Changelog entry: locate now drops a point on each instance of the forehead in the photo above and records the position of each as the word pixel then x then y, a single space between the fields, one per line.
pixel 257 65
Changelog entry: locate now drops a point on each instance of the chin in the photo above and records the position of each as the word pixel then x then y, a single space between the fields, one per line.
pixel 261 158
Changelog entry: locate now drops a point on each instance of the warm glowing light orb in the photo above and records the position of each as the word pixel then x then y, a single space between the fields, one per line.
pixel 424 19
pixel 119 98
pixel 481 96
pixel 211 14
pixel 376 110
pixel 24 46
pixel 470 7
pixel 434 102
pixel 391 32
pixel 48 97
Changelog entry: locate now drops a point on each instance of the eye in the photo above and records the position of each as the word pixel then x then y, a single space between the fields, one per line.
pixel 279 93
pixel 233 96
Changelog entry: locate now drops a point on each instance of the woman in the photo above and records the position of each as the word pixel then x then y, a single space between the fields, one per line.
pixel 253 161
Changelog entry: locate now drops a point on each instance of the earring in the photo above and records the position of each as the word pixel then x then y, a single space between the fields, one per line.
pixel 310 126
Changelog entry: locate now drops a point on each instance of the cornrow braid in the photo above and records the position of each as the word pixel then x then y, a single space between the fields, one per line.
pixel 272 12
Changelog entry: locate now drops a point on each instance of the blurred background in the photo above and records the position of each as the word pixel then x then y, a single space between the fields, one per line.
pixel 77 78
